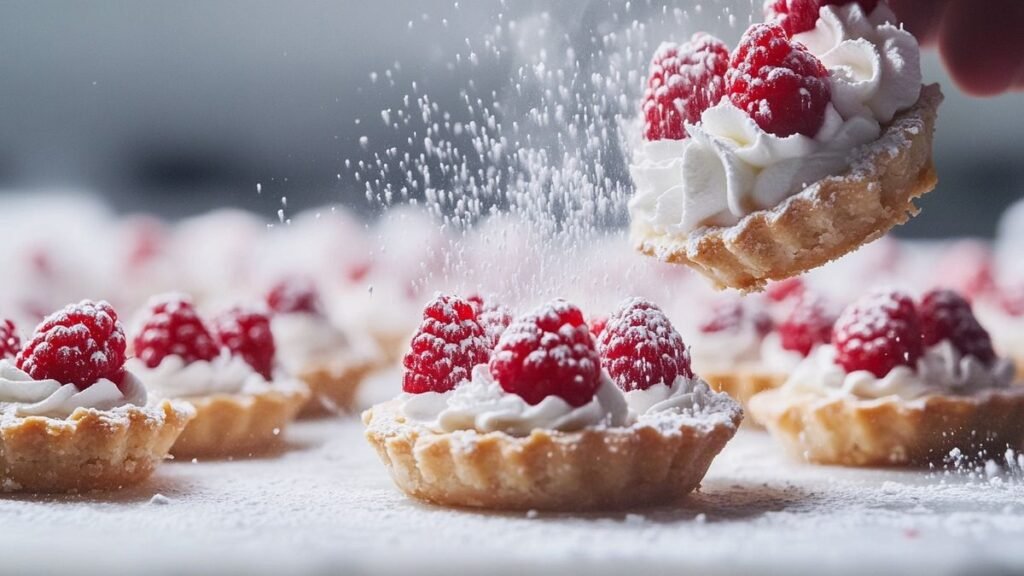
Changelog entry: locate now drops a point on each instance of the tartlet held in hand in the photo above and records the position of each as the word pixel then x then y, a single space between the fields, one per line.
pixel 227 373
pixel 73 419
pixel 316 350
pixel 795 149
pixel 549 420
pixel 901 383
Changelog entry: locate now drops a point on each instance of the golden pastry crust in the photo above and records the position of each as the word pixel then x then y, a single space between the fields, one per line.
pixel 1018 364
pixel 592 469
pixel 240 424
pixel 90 449
pixel 825 221
pixel 742 385
pixel 394 344
pixel 890 431
pixel 333 387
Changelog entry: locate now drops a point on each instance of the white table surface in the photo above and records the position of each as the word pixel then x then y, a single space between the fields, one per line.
pixel 324 504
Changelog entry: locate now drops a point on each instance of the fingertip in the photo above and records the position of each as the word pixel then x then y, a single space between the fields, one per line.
pixel 982 48
pixel 923 18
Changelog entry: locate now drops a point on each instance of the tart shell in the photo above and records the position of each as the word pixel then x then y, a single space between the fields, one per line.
pixel 592 469
pixel 239 424
pixel 333 387
pixel 889 430
pixel 825 221
pixel 90 449
pixel 742 385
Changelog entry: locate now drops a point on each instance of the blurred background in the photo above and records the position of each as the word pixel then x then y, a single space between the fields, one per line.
pixel 177 108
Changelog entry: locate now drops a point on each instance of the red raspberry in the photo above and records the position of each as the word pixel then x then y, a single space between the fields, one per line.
pixel 794 16
pixel 597 324
pixel 945 315
pixel 640 348
pixel 80 345
pixel 1011 299
pixel 172 326
pixel 494 318
pixel 797 16
pixel 246 333
pixel 732 316
pixel 10 344
pixel 878 333
pixel 684 81
pixel 295 295
pixel 548 352
pixel 785 289
pixel 808 325
pixel 359 271
pixel 448 344
pixel 781 85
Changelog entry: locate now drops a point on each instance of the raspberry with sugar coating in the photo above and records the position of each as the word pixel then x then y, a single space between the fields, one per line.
pixel 448 344
pixel 878 333
pixel 80 345
pixel 781 85
pixel 548 352
pixel 684 80
pixel 173 327
pixel 640 348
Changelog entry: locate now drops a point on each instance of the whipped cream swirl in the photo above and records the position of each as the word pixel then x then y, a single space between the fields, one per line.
pixel 685 394
pixel 727 349
pixel 941 370
pixel 305 340
pixel 1006 329
pixel 174 378
pixel 481 404
pixel 25 396
pixel 730 166
pixel 875 66
pixel 743 348
pixel 776 358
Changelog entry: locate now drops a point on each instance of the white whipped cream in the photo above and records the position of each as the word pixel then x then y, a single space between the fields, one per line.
pixel 304 340
pixel 685 394
pixel 173 378
pixel 940 370
pixel 730 166
pixel 1007 331
pixel 482 405
pixel 726 349
pixel 875 66
pixel 777 359
pixel 28 397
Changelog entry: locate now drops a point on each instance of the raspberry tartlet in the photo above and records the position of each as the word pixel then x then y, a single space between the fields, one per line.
pixel 743 350
pixel 1002 313
pixel 73 418
pixel 226 370
pixel 313 348
pixel 902 382
pixel 545 418
pixel 810 139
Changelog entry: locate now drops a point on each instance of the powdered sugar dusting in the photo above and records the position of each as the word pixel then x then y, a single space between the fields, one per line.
pixel 328 495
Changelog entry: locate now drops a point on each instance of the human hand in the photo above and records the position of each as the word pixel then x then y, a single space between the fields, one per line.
pixel 981 41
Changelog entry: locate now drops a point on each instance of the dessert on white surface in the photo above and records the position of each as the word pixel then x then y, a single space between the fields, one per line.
pixel 226 371
pixel 751 345
pixel 317 350
pixel 520 423
pixel 902 382
pixel 72 418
